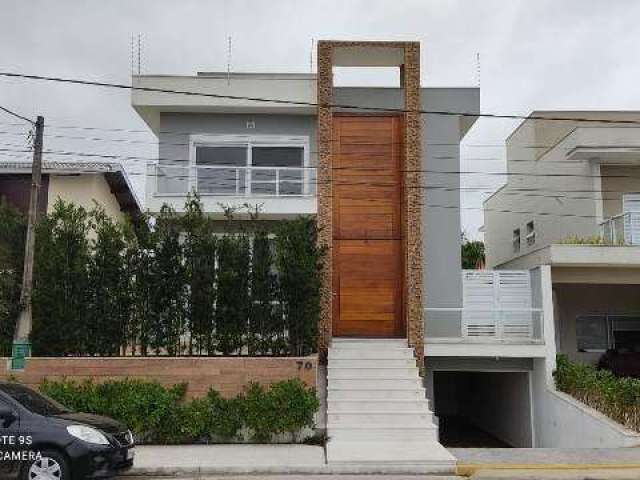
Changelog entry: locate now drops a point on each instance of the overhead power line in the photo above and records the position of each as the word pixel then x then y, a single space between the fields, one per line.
pixel 302 103
pixel 22 149
pixel 17 115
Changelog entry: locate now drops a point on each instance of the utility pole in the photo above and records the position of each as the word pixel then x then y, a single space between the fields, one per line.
pixel 21 343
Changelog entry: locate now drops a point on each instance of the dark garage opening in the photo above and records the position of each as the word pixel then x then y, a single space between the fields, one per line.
pixel 483 409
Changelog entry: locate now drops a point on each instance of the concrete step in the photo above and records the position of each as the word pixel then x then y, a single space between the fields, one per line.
pixel 379 419
pixel 391 453
pixel 372 434
pixel 383 405
pixel 394 353
pixel 393 362
pixel 376 393
pixel 374 383
pixel 371 372
pixel 367 342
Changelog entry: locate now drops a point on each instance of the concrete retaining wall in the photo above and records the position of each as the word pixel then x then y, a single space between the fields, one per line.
pixel 568 423
pixel 561 421
pixel 228 375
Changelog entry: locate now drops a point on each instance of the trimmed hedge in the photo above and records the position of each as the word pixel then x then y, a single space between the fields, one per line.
pixel 161 415
pixel 618 398
pixel 171 286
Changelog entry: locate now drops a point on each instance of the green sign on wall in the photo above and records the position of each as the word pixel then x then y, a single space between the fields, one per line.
pixel 21 350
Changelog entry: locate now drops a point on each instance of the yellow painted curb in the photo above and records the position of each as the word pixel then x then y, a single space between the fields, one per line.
pixel 468 469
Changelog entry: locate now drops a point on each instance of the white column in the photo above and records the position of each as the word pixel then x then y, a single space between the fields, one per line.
pixel 549 328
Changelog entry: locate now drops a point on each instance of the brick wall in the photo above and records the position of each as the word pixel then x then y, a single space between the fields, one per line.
pixel 227 375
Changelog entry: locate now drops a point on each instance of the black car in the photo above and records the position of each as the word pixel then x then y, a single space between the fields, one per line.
pixel 42 440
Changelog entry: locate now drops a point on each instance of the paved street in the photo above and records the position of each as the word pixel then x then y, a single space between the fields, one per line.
pixel 302 477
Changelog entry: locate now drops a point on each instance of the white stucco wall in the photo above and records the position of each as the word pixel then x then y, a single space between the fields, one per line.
pixel 560 206
pixel 83 190
pixel 563 422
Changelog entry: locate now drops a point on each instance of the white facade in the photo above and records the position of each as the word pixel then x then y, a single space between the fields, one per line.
pixel 567 180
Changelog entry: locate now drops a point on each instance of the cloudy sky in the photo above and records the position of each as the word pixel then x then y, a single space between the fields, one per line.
pixel 534 54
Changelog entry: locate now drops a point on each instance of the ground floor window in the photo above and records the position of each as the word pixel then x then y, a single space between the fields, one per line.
pixel 602 332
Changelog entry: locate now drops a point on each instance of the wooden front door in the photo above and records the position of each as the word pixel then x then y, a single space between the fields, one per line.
pixel 367 226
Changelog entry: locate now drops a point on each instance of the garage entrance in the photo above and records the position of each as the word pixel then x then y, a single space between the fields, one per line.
pixel 483 409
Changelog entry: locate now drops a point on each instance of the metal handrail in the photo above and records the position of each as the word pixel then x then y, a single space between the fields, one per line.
pixel 244 185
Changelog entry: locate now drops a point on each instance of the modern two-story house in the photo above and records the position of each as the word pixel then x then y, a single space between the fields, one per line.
pixel 570 208
pixel 407 338
pixel 574 199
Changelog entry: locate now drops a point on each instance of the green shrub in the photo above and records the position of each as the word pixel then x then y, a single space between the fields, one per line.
pixel 161 415
pixel 618 398
pixel 298 401
pixel 576 240
pixel 227 415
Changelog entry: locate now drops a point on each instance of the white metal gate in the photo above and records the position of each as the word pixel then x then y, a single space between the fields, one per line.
pixel 497 304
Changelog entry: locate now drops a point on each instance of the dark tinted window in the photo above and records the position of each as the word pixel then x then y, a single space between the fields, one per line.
pixel 32 400
pixel 591 333
pixel 236 156
pixel 277 156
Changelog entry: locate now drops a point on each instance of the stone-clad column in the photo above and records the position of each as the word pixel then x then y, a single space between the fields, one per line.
pixel 413 200
pixel 325 191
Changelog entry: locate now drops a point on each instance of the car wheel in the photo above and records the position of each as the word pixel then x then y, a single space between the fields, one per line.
pixel 50 466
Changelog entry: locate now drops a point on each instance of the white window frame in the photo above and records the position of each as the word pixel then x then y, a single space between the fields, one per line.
pixel 248 141
pixel 516 240
pixel 531 235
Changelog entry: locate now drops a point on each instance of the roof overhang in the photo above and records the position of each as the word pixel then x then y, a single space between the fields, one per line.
pixel 115 175
pixel 565 255
pixel 618 155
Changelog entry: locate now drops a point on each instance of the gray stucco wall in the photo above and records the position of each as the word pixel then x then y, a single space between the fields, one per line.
pixel 441 153
pixel 175 129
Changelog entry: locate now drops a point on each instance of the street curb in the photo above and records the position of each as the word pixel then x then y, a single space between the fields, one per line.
pixel 469 469
pixel 176 472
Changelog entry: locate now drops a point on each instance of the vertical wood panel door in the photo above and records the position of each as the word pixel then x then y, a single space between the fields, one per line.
pixel 367 226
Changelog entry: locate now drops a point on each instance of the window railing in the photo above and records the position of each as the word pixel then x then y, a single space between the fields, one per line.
pixel 623 229
pixel 240 181
pixel 484 326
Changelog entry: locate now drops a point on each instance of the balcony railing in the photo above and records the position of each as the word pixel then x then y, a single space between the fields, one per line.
pixel 623 229
pixel 236 181
pixel 484 326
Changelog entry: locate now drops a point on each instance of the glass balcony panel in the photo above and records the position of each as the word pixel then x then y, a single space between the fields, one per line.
pixel 291 188
pixel 263 188
pixel 221 181
pixel 172 180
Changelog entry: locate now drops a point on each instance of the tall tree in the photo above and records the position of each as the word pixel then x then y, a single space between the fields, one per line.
pixel 109 298
pixel 264 326
pixel 232 296
pixel 299 262
pixel 12 237
pixel 472 253
pixel 168 295
pixel 61 280
pixel 139 260
pixel 200 263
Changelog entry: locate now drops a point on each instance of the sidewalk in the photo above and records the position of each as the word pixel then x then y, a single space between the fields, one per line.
pixel 186 461
pixel 238 458
pixel 510 460
pixel 482 463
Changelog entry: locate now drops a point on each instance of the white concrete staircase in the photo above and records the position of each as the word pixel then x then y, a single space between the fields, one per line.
pixel 377 411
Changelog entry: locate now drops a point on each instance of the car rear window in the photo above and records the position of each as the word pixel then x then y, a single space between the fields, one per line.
pixel 32 400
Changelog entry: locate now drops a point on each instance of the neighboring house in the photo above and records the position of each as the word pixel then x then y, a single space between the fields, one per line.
pixel 571 209
pixel 384 187
pixel 79 182
pixel 581 184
